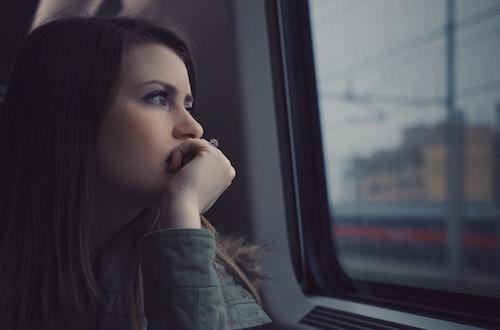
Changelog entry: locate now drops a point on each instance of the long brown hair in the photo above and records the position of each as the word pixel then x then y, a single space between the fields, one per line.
pixel 63 81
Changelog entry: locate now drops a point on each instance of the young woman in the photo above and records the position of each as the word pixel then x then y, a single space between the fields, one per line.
pixel 105 178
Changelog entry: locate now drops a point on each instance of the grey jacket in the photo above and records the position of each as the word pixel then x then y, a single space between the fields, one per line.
pixel 183 287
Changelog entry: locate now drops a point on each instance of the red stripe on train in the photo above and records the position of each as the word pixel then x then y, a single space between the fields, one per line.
pixel 428 236
pixel 483 241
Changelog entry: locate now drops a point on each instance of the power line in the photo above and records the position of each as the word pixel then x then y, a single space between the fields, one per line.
pixel 412 101
pixel 401 100
pixel 479 89
pixel 412 44
pixel 470 39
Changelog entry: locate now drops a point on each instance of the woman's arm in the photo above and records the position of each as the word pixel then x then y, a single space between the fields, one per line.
pixel 181 286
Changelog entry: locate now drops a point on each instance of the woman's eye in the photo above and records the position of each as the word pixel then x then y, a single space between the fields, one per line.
pixel 158 98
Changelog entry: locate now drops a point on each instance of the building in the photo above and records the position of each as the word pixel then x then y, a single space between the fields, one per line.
pixel 417 170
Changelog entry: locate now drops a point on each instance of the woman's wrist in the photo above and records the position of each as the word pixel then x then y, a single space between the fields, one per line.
pixel 180 214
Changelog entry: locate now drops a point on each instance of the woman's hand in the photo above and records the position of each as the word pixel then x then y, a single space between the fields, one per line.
pixel 199 174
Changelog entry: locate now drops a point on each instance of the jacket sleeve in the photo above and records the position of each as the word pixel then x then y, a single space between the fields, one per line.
pixel 243 312
pixel 181 286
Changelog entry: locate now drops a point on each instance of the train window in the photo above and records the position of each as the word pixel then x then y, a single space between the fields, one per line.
pixel 409 99
pixel 403 100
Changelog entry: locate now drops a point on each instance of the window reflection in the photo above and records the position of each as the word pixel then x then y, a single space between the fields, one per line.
pixel 410 110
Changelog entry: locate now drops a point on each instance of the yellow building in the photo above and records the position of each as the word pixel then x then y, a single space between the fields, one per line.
pixel 416 171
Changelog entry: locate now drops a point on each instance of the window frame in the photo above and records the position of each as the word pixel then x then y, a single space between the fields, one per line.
pixel 316 267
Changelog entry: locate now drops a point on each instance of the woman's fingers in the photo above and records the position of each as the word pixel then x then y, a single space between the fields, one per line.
pixel 190 187
pixel 193 146
pixel 175 160
pixel 186 151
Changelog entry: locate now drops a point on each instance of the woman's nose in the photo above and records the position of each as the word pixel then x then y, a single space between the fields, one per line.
pixel 187 126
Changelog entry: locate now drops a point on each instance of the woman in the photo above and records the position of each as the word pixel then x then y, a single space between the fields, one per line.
pixel 105 179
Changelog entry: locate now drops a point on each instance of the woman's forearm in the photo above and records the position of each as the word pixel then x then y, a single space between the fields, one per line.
pixel 181 286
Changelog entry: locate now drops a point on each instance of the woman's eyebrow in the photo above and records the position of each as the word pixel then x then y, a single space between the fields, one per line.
pixel 168 88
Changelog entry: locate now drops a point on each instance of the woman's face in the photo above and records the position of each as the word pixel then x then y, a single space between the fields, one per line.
pixel 149 118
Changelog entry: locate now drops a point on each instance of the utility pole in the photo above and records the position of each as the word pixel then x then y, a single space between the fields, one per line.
pixel 455 157
pixel 496 173
pixel 496 134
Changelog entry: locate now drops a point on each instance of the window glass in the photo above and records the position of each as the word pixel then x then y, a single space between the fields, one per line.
pixel 409 95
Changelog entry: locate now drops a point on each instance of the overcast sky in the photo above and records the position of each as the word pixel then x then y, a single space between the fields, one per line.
pixel 394 51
